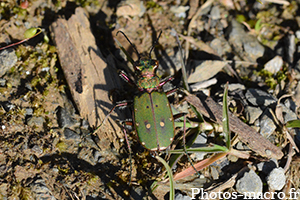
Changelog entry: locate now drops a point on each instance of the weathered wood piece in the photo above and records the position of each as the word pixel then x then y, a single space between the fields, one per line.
pixel 209 108
pixel 88 74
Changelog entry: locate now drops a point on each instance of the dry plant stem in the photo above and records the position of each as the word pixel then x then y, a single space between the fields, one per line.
pixel 289 158
pixel 200 165
pixel 22 41
pixel 283 2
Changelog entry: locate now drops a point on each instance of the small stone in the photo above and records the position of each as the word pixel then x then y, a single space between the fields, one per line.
pixel 274 65
pixel 287 114
pixel 179 11
pixel 64 118
pixel 200 141
pixel 244 44
pixel 8 59
pixel 131 8
pixel 297 69
pixel 37 121
pixel 97 156
pixel 179 196
pixel 37 149
pixel 214 173
pixel 4 188
pixel 250 183
pixel 215 13
pixel 297 33
pixel 259 98
pixel 71 135
pixel 252 113
pixel 40 190
pixel 267 166
pixel 276 179
pixel 29 111
pixel 290 104
pixel 267 125
pixel 2 82
pixel 236 86
pixel 137 192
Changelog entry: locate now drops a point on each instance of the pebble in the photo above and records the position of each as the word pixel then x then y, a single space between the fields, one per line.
pixel 296 68
pixel 245 45
pixel 37 121
pixel 204 70
pixel 252 113
pixel 250 182
pixel 40 190
pixel 276 179
pixel 259 98
pixel 215 13
pixel 179 11
pixel 97 156
pixel 266 167
pixel 290 104
pixel 137 192
pixel 29 112
pixel 2 82
pixel 297 33
pixel 242 146
pixel 4 187
pixel 131 8
pixel 179 196
pixel 200 141
pixel 214 173
pixel 266 122
pixel 236 86
pixel 8 59
pixel 274 65
pixel 71 135
pixel 170 62
pixel 64 118
pixel 287 114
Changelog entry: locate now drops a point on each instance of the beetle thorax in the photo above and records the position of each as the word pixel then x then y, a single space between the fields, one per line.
pixel 146 75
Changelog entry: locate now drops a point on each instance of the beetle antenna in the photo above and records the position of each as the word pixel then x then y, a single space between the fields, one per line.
pixel 133 46
pixel 154 44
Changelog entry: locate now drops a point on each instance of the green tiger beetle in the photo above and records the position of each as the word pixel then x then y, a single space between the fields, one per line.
pixel 152 115
pixel 153 120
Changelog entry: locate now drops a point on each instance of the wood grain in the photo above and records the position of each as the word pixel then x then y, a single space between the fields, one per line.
pixel 89 75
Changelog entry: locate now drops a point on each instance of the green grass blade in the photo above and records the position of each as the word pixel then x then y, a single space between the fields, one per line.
pixel 199 115
pixel 225 119
pixel 212 149
pixel 293 124
pixel 171 179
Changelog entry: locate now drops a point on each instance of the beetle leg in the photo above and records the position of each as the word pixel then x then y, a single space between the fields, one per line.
pixel 165 81
pixel 118 105
pixel 170 92
pixel 125 77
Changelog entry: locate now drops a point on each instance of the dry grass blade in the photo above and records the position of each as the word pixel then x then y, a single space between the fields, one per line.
pixel 200 165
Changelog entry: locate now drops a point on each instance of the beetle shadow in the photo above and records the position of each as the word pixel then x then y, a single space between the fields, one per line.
pixel 105 171
pixel 165 60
